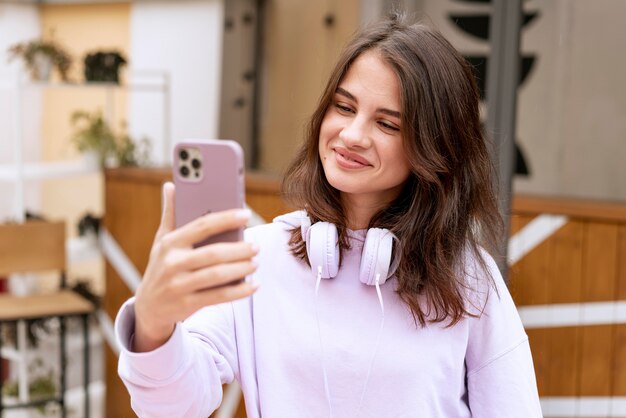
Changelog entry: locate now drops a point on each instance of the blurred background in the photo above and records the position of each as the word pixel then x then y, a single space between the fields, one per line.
pixel 93 95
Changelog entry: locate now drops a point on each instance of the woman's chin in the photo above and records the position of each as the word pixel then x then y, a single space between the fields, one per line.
pixel 348 186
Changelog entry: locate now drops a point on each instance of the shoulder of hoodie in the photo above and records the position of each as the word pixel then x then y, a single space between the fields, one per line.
pixel 485 287
pixel 277 230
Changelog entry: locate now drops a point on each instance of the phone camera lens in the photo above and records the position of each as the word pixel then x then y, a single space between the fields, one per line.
pixel 184 171
pixel 195 163
pixel 183 154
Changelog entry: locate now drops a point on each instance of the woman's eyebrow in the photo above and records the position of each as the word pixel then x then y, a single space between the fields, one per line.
pixel 388 112
pixel 348 95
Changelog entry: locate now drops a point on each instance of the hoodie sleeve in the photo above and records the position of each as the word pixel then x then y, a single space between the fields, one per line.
pixel 505 387
pixel 500 373
pixel 184 376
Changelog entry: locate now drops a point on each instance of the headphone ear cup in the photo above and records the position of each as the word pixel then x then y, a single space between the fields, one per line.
pixel 323 249
pixel 376 256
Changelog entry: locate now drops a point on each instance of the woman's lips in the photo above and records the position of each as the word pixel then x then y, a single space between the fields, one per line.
pixel 347 159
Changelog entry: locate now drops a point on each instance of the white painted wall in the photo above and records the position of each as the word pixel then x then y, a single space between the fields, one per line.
pixel 571 113
pixel 183 38
pixel 18 23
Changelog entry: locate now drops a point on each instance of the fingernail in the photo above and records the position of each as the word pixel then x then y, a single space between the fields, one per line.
pixel 243 214
pixel 164 188
pixel 254 248
pixel 254 284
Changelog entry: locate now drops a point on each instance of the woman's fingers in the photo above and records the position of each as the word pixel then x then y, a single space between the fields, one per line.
pixel 180 279
pixel 207 226
pixel 215 276
pixel 223 252
pixel 222 294
pixel 168 219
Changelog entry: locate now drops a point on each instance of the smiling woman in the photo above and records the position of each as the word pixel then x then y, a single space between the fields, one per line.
pixel 394 185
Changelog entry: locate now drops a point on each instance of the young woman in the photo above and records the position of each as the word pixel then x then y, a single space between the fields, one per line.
pixel 394 180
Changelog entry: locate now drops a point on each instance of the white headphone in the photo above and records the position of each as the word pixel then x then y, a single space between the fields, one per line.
pixel 323 251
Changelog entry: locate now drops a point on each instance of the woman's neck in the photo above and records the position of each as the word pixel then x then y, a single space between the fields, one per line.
pixel 360 210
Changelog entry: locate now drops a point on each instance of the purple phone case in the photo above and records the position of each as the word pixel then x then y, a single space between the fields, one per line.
pixel 220 188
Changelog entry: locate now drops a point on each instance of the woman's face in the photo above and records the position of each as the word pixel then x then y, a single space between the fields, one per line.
pixel 360 144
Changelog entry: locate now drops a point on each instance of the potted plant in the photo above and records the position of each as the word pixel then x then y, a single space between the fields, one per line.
pixel 41 386
pixel 129 152
pixel 93 135
pixel 40 56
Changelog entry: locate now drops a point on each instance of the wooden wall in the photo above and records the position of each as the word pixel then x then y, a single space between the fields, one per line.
pixel 301 42
pixel 133 213
pixel 584 261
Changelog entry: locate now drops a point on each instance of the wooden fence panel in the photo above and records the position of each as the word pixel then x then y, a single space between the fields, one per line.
pixel 531 278
pixel 539 340
pixel 530 286
pixel 596 360
pixel 619 338
pixel 583 262
pixel 566 264
pixel 599 279
pixel 565 287
pixel 600 262
pixel 516 272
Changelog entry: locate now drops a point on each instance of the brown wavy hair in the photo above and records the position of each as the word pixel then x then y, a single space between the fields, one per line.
pixel 448 206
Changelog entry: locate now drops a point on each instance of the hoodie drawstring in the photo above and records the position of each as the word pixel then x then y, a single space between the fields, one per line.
pixel 319 334
pixel 378 340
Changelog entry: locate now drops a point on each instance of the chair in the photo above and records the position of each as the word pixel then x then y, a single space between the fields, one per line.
pixel 37 246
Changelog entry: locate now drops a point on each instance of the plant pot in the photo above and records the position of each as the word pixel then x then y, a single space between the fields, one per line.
pixel 42 67
pixel 92 160
pixel 104 66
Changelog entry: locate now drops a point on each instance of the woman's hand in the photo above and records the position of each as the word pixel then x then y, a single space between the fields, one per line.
pixel 180 279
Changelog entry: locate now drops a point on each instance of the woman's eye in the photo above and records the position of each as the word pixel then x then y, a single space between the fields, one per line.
pixel 343 108
pixel 389 126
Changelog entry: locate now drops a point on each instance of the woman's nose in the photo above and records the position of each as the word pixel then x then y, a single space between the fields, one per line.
pixel 355 133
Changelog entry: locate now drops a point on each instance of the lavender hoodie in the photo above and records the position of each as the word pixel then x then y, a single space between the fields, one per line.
pixel 279 349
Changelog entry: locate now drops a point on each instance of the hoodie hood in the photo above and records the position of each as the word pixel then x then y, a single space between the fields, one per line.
pixel 293 219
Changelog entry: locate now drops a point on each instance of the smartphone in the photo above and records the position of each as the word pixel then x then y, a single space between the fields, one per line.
pixel 209 177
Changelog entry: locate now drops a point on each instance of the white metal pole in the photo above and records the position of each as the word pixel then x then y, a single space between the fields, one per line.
pixel 22 366
pixel 166 119
pixel 18 153
pixel 109 112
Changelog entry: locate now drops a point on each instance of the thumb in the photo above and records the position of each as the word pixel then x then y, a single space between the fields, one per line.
pixel 168 219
